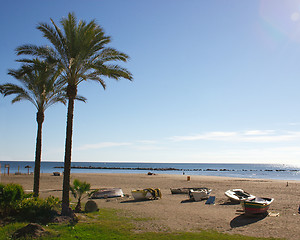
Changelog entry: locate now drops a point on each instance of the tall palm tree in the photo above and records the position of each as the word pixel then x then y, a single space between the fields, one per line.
pixel 40 85
pixel 80 50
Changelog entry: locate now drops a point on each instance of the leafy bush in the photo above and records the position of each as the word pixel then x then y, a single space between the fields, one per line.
pixel 37 209
pixel 1 187
pixel 14 202
pixel 10 195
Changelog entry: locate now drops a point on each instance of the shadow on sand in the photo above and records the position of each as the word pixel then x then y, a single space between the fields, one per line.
pixel 192 201
pixel 187 201
pixel 135 201
pixel 243 220
pixel 230 203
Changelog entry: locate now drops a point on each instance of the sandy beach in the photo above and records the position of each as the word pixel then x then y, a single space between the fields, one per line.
pixel 175 213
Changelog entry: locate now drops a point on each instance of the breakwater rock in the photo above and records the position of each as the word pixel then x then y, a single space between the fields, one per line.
pixel 177 169
pixel 126 168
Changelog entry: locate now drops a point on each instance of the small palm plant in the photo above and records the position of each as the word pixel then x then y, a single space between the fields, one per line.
pixel 80 190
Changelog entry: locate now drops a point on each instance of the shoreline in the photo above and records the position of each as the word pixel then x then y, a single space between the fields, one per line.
pixel 155 174
pixel 184 177
pixel 247 171
pixel 174 212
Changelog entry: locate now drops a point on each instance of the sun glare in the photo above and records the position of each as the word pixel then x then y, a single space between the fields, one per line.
pixel 295 16
pixel 283 16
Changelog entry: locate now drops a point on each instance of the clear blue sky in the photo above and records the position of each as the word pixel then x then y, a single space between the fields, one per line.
pixel 214 81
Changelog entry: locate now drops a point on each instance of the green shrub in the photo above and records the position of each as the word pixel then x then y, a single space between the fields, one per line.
pixel 37 209
pixel 13 202
pixel 10 195
pixel 11 192
pixel 1 188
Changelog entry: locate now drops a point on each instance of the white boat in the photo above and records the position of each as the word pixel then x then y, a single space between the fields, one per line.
pixel 238 195
pixel 199 194
pixel 148 193
pixel 184 190
pixel 108 193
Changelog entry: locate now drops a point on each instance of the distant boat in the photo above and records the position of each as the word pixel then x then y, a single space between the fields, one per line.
pixel 200 194
pixel 185 190
pixel 108 193
pixel 236 195
pixel 145 194
pixel 256 205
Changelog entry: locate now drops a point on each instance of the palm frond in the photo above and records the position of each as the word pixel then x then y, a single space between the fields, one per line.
pixel 111 54
pixel 24 60
pixel 94 77
pixel 9 89
pixel 33 50
pixel 112 71
pixel 21 97
pixel 81 98
pixel 56 99
pixel 79 53
pixel 21 94
pixel 40 82
pixel 54 36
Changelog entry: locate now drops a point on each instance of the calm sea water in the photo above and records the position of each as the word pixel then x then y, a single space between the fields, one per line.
pixel 265 171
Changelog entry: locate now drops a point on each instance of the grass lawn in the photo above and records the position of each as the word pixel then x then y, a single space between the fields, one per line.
pixel 111 224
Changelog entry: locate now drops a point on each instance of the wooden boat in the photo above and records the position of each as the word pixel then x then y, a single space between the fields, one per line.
pixel 148 193
pixel 184 190
pixel 256 205
pixel 108 193
pixel 237 195
pixel 200 194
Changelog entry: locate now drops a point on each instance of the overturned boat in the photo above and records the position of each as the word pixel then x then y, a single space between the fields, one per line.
pixel 238 195
pixel 108 193
pixel 185 190
pixel 147 193
pixel 256 205
pixel 199 194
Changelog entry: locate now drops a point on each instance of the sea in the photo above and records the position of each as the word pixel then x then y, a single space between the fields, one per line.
pixel 262 171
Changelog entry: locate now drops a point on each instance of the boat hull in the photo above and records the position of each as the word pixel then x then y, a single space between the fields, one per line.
pixel 146 194
pixel 185 190
pixel 198 195
pixel 108 193
pixel 256 206
pixel 238 195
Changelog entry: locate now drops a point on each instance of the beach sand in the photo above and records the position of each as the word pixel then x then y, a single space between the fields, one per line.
pixel 175 213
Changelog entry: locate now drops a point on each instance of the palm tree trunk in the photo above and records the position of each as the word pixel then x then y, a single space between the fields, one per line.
pixel 38 153
pixel 68 151
pixel 78 206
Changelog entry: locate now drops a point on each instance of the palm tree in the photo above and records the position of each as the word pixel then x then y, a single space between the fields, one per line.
pixel 80 50
pixel 39 84
pixel 78 190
